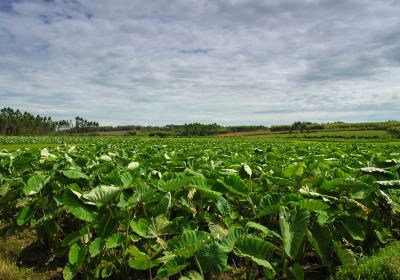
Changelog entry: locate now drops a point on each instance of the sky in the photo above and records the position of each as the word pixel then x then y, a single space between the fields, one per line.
pixel 178 61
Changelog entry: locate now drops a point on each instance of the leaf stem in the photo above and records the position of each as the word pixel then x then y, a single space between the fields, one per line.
pixel 199 266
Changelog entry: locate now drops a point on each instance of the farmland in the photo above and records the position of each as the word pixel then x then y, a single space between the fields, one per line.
pixel 133 208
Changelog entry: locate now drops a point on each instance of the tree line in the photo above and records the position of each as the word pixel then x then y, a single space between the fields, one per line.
pixel 15 122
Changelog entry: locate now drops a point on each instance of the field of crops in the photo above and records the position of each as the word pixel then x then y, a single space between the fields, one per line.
pixel 203 208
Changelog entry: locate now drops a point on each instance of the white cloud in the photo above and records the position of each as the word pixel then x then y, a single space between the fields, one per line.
pixel 230 62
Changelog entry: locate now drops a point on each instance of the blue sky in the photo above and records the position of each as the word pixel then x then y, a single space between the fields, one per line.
pixel 226 61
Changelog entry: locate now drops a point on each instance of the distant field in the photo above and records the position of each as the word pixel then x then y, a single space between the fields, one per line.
pixel 317 134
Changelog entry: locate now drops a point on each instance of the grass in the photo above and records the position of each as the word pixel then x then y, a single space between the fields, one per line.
pixel 10 250
pixel 385 265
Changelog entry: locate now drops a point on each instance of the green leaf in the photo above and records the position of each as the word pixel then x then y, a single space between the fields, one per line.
pixel 269 204
pixel 77 254
pixel 25 215
pixel 74 174
pixel 115 240
pixel 96 246
pixel 320 237
pixel 158 226
pixel 73 237
pixel 297 271
pixel 293 224
pixel 212 257
pixel 173 185
pixel 204 186
pixel 355 228
pixel 294 170
pixel 172 267
pixel 264 229
pixel 228 242
pixel 384 235
pixel 346 256
pixel 140 227
pixel 69 273
pixel 344 184
pixel 163 205
pixel 130 198
pixel 35 184
pixel 192 275
pixel 140 260
pixel 77 207
pixel 234 184
pixel 101 195
pixel 256 249
pixel 312 205
pixel 188 243
pixel 126 179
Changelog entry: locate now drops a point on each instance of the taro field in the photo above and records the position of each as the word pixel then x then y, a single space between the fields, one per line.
pixel 129 208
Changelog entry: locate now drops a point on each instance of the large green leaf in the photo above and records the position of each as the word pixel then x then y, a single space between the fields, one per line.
pixel 297 271
pixel 234 184
pixel 131 197
pixel 174 184
pixel 172 267
pixel 188 243
pixel 204 186
pixel 212 257
pixel 69 272
pixel 228 242
pixel 114 240
pixel 256 249
pixel 140 260
pixel 140 227
pixel 264 229
pixel 77 207
pixel 320 238
pixel 293 224
pixel 158 226
pixel 35 184
pixel 25 215
pixel 346 256
pixel 73 237
pixel 192 275
pixel 101 195
pixel 294 170
pixel 163 205
pixel 97 246
pixel 74 174
pixel 312 205
pixel 77 254
pixel 355 228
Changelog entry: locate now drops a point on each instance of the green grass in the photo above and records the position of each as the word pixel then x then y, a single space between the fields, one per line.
pixel 385 265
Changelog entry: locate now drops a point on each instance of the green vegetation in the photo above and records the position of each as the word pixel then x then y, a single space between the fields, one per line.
pixel 385 265
pixel 132 208
pixel 13 122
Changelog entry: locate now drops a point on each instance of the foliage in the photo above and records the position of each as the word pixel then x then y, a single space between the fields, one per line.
pixel 134 209
pixel 385 265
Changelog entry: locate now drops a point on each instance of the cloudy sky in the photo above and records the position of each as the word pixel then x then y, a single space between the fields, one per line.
pixel 225 61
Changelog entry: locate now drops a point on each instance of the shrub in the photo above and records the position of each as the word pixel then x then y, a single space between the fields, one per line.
pixel 385 265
